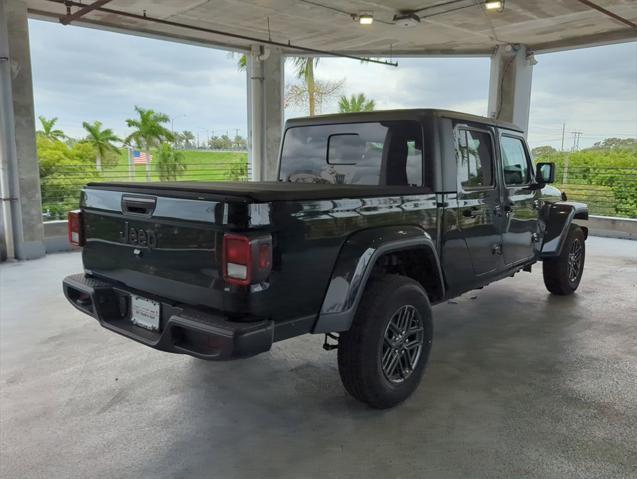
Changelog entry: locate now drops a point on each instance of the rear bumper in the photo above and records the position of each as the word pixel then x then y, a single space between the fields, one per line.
pixel 183 330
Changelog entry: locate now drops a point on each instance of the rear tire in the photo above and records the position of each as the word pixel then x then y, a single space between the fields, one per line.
pixel 382 357
pixel 563 273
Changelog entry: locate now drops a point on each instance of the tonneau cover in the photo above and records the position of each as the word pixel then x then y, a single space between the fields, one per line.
pixel 264 191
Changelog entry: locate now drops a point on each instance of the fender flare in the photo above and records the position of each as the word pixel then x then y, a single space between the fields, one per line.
pixel 558 218
pixel 354 266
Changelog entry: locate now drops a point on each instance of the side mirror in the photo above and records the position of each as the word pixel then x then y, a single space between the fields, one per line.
pixel 545 173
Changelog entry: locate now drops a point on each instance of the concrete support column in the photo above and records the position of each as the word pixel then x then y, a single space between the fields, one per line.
pixel 265 110
pixel 23 230
pixel 510 84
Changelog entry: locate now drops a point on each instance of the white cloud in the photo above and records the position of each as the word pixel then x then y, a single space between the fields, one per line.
pixel 84 75
pixel 592 90
pixel 415 83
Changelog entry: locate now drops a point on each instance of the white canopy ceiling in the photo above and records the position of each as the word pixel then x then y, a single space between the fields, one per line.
pixel 446 27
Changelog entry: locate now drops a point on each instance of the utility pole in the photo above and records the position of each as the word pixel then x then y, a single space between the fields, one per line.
pixel 172 122
pixel 576 137
pixel 565 170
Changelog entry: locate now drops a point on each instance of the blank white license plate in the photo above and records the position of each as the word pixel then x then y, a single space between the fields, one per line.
pixel 145 312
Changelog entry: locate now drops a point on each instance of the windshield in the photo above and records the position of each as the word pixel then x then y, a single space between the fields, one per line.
pixel 374 153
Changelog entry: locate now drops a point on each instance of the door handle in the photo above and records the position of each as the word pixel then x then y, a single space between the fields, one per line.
pixel 139 205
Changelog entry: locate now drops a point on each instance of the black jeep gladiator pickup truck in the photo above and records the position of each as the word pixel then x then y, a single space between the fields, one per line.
pixel 375 217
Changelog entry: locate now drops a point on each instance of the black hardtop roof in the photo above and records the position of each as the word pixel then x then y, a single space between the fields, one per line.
pixel 402 114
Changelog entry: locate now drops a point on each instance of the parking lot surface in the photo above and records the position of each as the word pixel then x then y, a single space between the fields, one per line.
pixel 520 384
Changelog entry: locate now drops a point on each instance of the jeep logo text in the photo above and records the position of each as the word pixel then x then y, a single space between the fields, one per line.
pixel 138 236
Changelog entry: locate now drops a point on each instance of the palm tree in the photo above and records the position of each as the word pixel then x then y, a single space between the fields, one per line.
pixel 148 132
pixel 305 71
pixel 355 103
pixel 242 63
pixel 170 162
pixel 312 92
pixel 188 138
pixel 102 141
pixel 47 130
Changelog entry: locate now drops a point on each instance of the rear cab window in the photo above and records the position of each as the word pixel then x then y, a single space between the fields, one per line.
pixel 370 153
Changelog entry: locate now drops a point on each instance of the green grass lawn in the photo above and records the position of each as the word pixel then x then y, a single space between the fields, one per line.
pixel 200 166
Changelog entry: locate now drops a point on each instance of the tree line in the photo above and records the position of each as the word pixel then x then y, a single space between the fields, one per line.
pixel 187 140
pixel 67 164
pixel 604 175
pixel 148 132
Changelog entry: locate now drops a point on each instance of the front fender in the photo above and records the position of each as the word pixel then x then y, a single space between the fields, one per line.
pixel 354 266
pixel 557 218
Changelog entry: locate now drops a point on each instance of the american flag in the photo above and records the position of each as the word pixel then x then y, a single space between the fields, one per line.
pixel 140 157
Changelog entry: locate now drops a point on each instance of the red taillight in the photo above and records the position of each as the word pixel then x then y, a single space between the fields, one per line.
pixel 237 249
pixel 265 256
pixel 237 259
pixel 76 228
pixel 246 260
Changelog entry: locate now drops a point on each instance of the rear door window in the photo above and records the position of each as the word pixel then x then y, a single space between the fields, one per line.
pixel 371 153
pixel 475 159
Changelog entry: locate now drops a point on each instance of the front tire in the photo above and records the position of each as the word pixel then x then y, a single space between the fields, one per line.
pixel 562 274
pixel 381 359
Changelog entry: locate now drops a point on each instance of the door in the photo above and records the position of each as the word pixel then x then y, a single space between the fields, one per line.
pixel 520 202
pixel 479 209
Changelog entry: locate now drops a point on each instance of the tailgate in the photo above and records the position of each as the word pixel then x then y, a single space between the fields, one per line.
pixel 165 245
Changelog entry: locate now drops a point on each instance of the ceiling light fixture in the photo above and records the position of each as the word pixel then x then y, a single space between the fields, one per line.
pixel 366 19
pixel 494 5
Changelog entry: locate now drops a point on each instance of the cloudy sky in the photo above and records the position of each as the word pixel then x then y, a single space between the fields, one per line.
pixel 84 75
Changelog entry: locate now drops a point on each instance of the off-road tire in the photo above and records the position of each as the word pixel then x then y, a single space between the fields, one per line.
pixel 360 349
pixel 559 276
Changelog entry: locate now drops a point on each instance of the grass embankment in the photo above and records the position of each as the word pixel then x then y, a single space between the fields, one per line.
pixel 200 166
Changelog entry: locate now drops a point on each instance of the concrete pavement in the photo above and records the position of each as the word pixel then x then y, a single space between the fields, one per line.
pixel 520 384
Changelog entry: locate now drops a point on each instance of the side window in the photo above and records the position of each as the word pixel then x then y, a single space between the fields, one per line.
pixel 514 161
pixel 475 159
pixel 414 163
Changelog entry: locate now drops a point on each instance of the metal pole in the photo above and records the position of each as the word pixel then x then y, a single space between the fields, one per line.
pixel 288 45
pixel 148 155
pixel 131 165
pixel 67 19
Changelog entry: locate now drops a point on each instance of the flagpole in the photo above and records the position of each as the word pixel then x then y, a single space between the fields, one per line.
pixel 131 166
pixel 148 156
